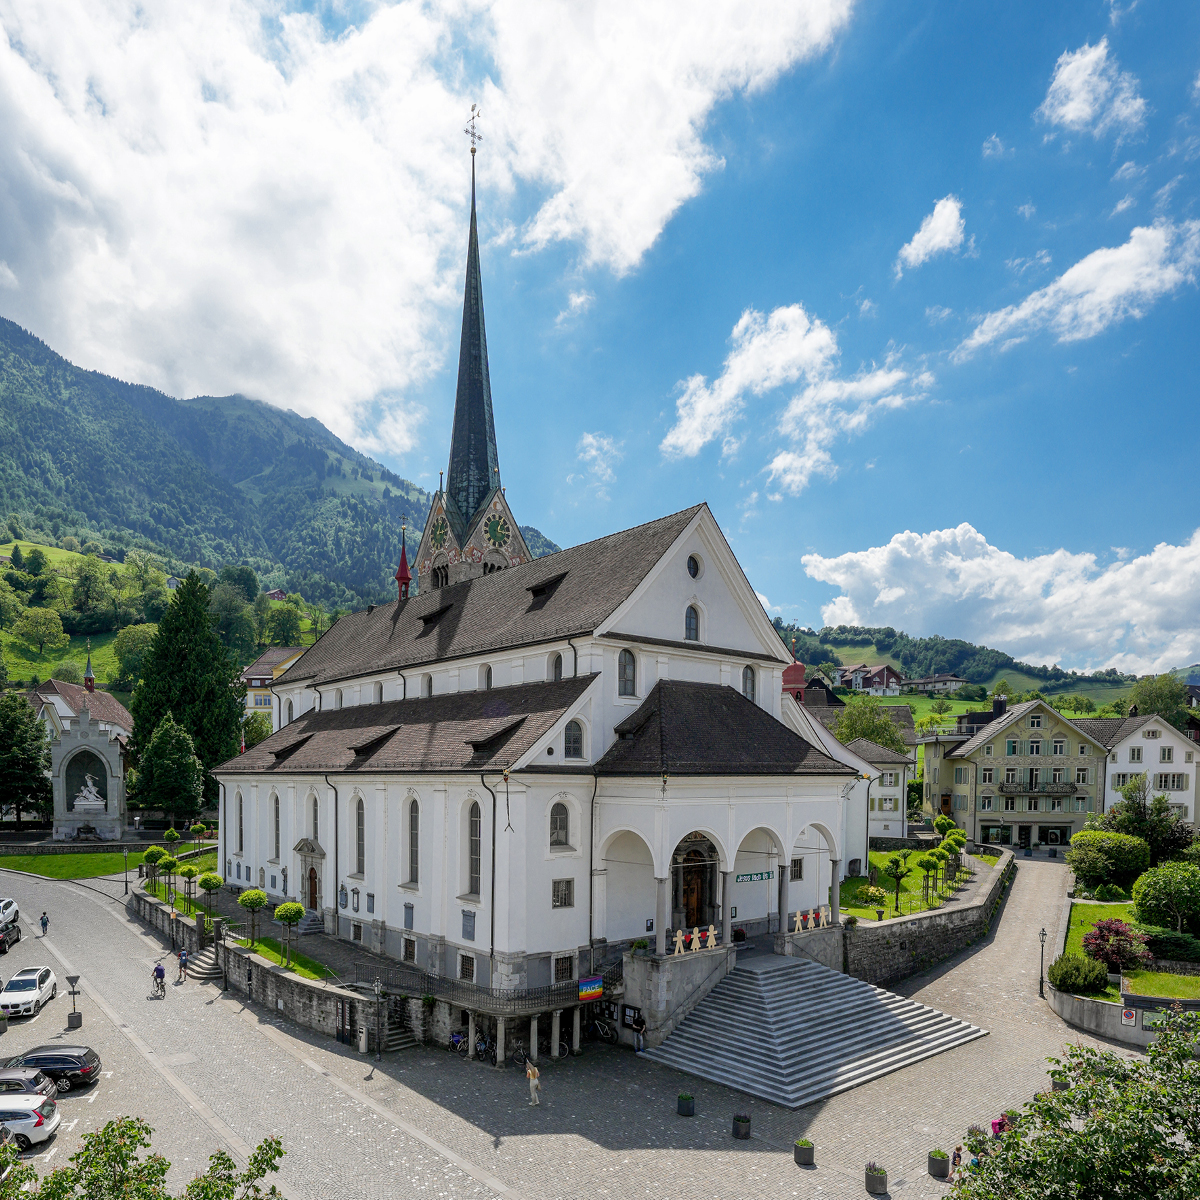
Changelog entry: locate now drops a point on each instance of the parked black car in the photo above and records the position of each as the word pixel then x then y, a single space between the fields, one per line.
pixel 9 936
pixel 26 1079
pixel 68 1066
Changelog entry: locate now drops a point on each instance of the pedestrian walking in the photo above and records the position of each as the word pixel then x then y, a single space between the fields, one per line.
pixel 45 924
pixel 638 1025
pixel 183 963
pixel 535 1083
pixel 955 1162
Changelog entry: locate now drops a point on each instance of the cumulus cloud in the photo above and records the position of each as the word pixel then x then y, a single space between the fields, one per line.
pixel 942 230
pixel 1089 94
pixel 1027 210
pixel 236 197
pixel 1107 286
pixel 577 304
pixel 599 453
pixel 1142 614
pixel 993 147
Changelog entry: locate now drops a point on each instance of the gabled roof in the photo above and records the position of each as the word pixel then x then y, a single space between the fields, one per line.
pixel 876 754
pixel 1108 731
pixel 494 612
pixel 271 657
pixel 103 706
pixel 1014 714
pixel 457 731
pixel 709 729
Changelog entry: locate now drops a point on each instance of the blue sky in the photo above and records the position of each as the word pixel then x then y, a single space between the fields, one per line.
pixel 904 291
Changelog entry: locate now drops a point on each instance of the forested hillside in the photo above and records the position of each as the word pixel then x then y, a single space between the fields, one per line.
pixel 202 482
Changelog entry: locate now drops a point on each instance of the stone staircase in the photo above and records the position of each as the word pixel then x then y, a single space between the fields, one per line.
pixel 204 968
pixel 398 1038
pixel 792 1031
pixel 311 922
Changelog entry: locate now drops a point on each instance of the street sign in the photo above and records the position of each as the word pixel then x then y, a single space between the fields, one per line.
pixel 1129 1016
pixel 754 878
pixel 72 979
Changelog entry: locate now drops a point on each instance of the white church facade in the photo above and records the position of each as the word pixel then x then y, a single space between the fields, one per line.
pixel 517 772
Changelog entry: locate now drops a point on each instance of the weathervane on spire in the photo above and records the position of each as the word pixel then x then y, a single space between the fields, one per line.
pixel 470 130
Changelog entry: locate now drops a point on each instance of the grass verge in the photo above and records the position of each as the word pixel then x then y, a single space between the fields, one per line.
pixel 1084 916
pixel 72 866
pixel 1160 983
pixel 270 948
pixel 911 896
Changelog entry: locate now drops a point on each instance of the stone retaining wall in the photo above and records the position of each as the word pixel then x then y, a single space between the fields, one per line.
pixel 824 946
pixel 1100 1017
pixel 666 989
pixel 1175 967
pixel 888 844
pixel 887 951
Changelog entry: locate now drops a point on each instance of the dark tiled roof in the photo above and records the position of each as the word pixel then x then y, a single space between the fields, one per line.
pixel 874 753
pixel 271 657
pixel 458 731
pixel 1108 731
pixel 900 714
pixel 103 706
pixel 709 729
pixel 494 612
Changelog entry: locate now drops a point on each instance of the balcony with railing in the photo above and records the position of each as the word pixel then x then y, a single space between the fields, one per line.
pixel 1038 789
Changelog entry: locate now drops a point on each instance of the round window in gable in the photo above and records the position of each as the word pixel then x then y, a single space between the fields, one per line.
pixel 693 566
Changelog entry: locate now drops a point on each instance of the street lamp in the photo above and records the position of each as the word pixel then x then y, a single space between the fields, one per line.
pixel 126 849
pixel 378 1021
pixel 1042 964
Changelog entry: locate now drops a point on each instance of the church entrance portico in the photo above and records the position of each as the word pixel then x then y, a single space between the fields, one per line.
pixel 695 883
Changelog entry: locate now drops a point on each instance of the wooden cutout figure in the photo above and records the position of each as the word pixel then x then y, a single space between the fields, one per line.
pixel 695 938
pixel 712 936
pixel 799 922
pixel 679 941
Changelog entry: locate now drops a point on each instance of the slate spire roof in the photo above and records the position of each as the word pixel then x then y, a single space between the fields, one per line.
pixel 474 470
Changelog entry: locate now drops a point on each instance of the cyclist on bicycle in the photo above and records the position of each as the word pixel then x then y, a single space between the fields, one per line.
pixel 159 978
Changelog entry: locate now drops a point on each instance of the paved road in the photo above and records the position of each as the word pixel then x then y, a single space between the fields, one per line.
pixel 207 1071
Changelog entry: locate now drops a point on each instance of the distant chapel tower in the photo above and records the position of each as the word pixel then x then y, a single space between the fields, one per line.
pixel 470 530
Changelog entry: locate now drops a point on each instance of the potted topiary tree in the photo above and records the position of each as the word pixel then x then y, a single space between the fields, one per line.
pixel 939 1164
pixel 253 900
pixel 685 1105
pixel 802 1151
pixel 741 1127
pixel 876 1179
pixel 210 883
pixel 289 915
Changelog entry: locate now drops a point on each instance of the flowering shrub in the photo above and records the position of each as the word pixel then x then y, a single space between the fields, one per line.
pixel 1116 944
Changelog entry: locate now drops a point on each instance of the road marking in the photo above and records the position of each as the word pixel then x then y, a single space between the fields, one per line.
pixel 92 1097
pixel 53 1152
pixel 72 1125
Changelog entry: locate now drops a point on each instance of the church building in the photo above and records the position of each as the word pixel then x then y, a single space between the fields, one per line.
pixel 514 773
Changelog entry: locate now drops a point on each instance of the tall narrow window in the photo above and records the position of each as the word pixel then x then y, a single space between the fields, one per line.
pixel 316 810
pixel 377 693
pixel 626 674
pixel 360 838
pixel 276 828
pixel 691 624
pixel 557 668
pixel 474 852
pixel 560 827
pixel 487 679
pixel 748 683
pixel 573 740
pixel 337 698
pixel 289 712
pixel 426 685
pixel 241 828
pixel 414 842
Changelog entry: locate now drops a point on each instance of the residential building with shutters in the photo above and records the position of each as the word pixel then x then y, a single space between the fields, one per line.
pixel 887 802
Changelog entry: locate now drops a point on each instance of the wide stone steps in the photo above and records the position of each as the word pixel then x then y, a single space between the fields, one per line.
pixel 203 967
pixel 792 1031
pixel 398 1038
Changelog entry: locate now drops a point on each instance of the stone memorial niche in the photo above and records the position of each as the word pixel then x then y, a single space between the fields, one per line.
pixel 88 781
pixel 87 784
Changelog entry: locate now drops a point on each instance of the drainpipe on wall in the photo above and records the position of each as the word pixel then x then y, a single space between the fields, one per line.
pixel 575 652
pixel 336 861
pixel 403 684
pixel 867 855
pixel 222 814
pixel 274 693
pixel 591 877
pixel 492 905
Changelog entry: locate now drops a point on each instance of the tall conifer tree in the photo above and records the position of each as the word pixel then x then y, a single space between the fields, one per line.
pixel 24 758
pixel 188 673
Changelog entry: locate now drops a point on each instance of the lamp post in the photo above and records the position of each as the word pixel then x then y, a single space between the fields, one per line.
pixel 1042 964
pixel 126 849
pixel 378 1020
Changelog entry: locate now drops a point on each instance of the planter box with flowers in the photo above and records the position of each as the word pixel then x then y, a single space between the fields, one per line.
pixel 741 1127
pixel 876 1179
pixel 939 1164
pixel 803 1151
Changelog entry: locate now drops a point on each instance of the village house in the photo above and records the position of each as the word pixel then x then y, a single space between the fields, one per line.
pixel 262 673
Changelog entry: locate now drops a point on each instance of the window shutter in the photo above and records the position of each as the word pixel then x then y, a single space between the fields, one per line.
pixel 1091 774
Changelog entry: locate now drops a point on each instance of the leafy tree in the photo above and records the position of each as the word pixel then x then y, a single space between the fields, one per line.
pixel 141 567
pixel 866 717
pixel 283 626
pixel 93 547
pixel 243 578
pixel 289 915
pixel 256 728
pixel 1127 856
pixel 1090 865
pixel 70 543
pixel 24 759
pixel 35 561
pixel 233 619
pixel 171 836
pixel 130 647
pixel 167 866
pixel 11 605
pixel 928 865
pixel 41 627
pixel 1001 688
pixel 152 858
pixel 1164 696
pixel 898 870
pixel 92 590
pixel 253 900
pixel 1167 895
pixel 941 705
pixel 170 776
pixel 187 873
pixel 186 671
pixel 18 557
pixel 1152 820
pixel 198 831
pixel 944 824
pixel 1126 1128
pixel 262 616
pixel 1118 945
pixel 68 671
pixel 210 884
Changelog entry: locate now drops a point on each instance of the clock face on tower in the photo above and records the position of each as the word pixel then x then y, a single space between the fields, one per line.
pixel 498 532
pixel 437 535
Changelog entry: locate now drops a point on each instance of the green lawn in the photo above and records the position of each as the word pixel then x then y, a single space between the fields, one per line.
pixel 910 891
pixel 302 965
pixel 1084 916
pixel 1160 983
pixel 72 866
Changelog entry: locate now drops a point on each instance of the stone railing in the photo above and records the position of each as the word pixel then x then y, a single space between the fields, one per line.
pixel 666 988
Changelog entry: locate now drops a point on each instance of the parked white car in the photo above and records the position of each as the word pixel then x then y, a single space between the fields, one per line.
pixel 9 911
pixel 31 1118
pixel 26 992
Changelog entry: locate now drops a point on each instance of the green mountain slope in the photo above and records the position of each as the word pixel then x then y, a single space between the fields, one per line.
pixel 205 481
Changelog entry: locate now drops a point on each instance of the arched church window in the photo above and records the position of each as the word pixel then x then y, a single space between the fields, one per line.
pixel 377 693
pixel 557 668
pixel 316 811
pixel 573 740
pixel 748 683
pixel 426 685
pixel 560 827
pixel 691 624
pixel 276 798
pixel 360 838
pixel 626 674
pixel 414 831
pixel 337 698
pixel 487 679
pixel 289 712
pixel 474 849
pixel 241 827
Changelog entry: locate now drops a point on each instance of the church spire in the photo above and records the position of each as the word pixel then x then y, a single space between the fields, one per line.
pixel 403 574
pixel 474 469
pixel 89 679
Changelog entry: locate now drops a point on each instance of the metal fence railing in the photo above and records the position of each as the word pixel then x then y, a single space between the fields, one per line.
pixel 498 1001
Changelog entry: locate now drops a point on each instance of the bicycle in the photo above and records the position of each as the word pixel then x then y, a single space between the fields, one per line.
pixel 485 1048
pixel 461 1043
pixel 544 1047
pixel 604 1031
pixel 160 987
pixel 518 1055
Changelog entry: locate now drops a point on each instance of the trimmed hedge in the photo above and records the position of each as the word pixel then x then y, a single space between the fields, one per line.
pixel 1166 943
pixel 1075 973
pixel 1127 856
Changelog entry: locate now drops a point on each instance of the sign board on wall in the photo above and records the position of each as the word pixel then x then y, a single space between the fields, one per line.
pixel 591 988
pixel 755 877
pixel 1129 1016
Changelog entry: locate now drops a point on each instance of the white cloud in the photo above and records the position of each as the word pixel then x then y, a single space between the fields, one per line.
pixel 1128 170
pixel 1126 202
pixel 942 230
pixel 7 278
pixel 577 304
pixel 935 314
pixel 1107 286
pixel 993 147
pixel 1027 210
pixel 1139 615
pixel 599 453
pixel 1089 94
pixel 231 197
pixel 1039 260
pixel 1116 10
pixel 868 308
pixel 771 608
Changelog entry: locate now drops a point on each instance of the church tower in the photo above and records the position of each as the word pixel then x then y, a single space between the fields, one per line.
pixel 470 530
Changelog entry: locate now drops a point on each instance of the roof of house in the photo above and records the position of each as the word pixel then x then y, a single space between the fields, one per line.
pixel 875 754
pixel 1095 728
pixel 1108 731
pixel 900 714
pixel 709 729
pixel 818 694
pixel 271 657
pixel 102 705
pixel 559 595
pixel 456 731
